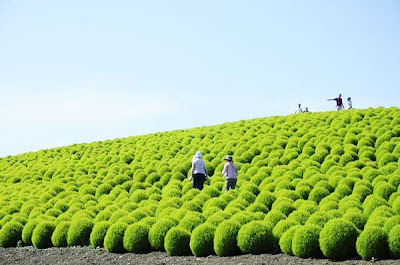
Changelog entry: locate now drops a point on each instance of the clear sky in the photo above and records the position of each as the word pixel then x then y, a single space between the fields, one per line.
pixel 79 71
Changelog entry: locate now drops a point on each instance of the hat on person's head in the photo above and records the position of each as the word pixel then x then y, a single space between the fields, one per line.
pixel 198 154
pixel 228 158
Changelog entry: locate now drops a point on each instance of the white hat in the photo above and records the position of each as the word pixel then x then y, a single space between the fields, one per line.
pixel 198 154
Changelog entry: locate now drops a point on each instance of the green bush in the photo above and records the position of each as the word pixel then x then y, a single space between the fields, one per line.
pixel 41 237
pixel 285 242
pixel 255 238
pixel 59 236
pixel 114 239
pixel 28 231
pixel 225 239
pixel 317 194
pixel 98 234
pixel 177 242
pixel 201 240
pixel 305 242
pixel 79 232
pixel 281 227
pixel 394 242
pixel 372 243
pixel 136 238
pixel 338 239
pixel 158 232
pixel 10 234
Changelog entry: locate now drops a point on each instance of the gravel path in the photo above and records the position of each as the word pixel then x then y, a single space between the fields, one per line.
pixel 87 256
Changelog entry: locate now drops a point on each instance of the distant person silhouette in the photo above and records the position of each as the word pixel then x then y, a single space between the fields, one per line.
pixel 349 103
pixel 339 102
pixel 199 171
pixel 298 110
pixel 306 110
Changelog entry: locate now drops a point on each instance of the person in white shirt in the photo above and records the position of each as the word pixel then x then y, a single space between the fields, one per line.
pixel 299 109
pixel 199 171
pixel 230 173
pixel 349 103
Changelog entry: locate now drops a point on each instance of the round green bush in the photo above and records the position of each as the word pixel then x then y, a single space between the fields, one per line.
pixel 394 242
pixel 59 237
pixel 79 232
pixel 136 238
pixel 305 242
pixel 285 242
pixel 372 243
pixel 318 218
pixel 255 238
pixel 390 223
pixel 274 217
pixel 177 242
pixel 41 237
pixel 225 239
pixel 338 239
pixel 158 232
pixel 98 234
pixel 10 234
pixel 114 239
pixel 356 217
pixel 281 227
pixel 201 240
pixel 317 194
pixel 28 231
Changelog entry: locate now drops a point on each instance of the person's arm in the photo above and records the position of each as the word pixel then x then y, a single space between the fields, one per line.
pixel 225 170
pixel 191 173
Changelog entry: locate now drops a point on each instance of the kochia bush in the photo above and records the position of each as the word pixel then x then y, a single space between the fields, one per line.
pixel 305 242
pixel 177 242
pixel 136 238
pixel 372 243
pixel 255 238
pixel 10 234
pixel 225 239
pixel 41 237
pixel 79 232
pixel 201 240
pixel 113 241
pixel 338 239
pixel 59 236
pixel 98 234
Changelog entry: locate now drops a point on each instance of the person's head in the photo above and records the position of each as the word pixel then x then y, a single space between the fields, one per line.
pixel 340 95
pixel 306 108
pixel 299 105
pixel 198 154
pixel 349 98
pixel 228 158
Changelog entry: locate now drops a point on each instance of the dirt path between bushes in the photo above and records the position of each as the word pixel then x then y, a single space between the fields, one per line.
pixel 87 256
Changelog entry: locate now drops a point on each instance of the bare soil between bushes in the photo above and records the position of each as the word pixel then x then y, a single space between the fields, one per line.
pixel 87 256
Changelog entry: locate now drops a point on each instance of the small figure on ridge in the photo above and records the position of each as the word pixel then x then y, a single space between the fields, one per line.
pixel 339 102
pixel 298 110
pixel 349 103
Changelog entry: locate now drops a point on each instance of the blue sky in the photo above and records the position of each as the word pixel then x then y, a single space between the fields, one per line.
pixel 80 71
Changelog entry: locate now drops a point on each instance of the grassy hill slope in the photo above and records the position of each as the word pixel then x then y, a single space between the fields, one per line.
pixel 311 184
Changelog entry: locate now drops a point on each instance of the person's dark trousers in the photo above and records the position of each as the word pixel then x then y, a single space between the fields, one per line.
pixel 230 184
pixel 198 181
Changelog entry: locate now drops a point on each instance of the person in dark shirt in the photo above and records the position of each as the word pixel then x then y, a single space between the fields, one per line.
pixel 339 102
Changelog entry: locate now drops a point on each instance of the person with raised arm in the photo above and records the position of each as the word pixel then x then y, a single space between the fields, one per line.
pixel 339 102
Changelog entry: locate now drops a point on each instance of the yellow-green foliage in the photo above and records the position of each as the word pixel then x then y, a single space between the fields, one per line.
pixel 295 173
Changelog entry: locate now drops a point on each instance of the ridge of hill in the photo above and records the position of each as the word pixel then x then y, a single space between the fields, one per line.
pixel 310 184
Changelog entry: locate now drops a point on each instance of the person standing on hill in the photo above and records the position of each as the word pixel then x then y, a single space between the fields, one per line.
pixel 230 173
pixel 339 102
pixel 199 171
pixel 298 110
pixel 349 103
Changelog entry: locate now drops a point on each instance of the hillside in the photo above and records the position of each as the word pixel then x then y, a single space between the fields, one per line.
pixel 309 185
